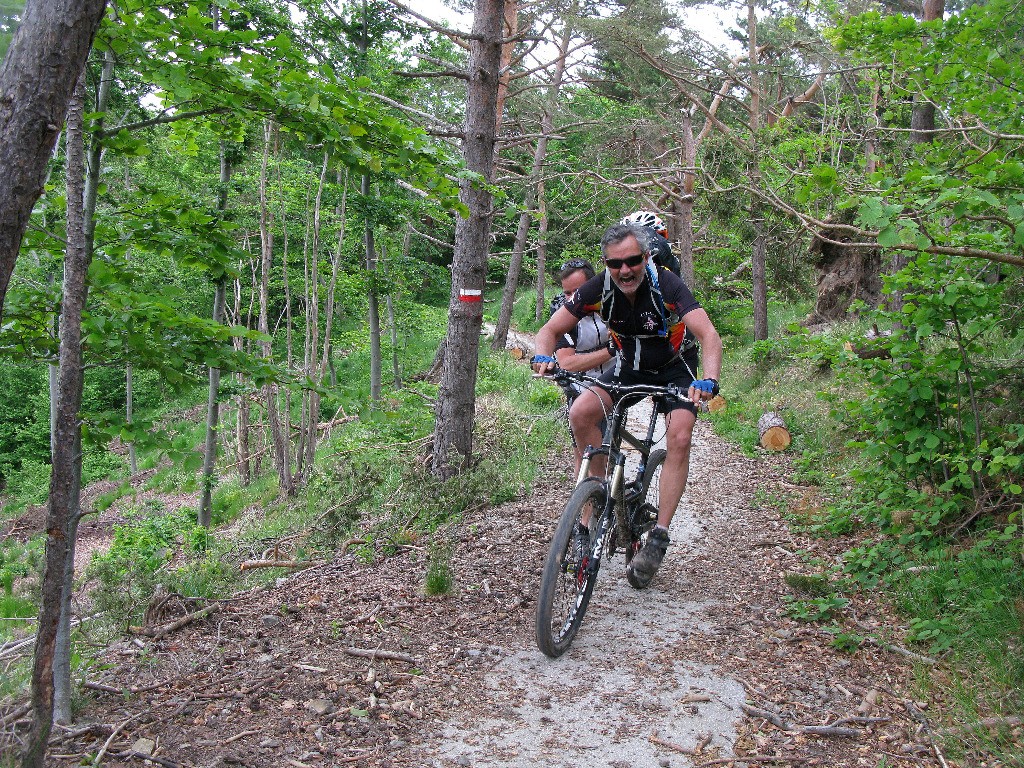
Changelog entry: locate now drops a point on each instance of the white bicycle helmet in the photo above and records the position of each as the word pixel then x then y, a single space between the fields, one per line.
pixel 647 219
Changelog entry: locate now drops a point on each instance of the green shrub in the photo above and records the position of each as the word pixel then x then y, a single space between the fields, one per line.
pixel 439 578
pixel 127 572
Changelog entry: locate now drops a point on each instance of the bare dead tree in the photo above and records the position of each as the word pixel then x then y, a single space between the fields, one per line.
pixel 540 154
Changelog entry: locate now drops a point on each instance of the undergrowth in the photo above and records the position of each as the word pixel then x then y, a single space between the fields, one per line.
pixel 371 489
pixel 913 451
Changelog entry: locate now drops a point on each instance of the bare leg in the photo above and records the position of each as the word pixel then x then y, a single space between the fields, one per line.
pixel 678 438
pixel 585 417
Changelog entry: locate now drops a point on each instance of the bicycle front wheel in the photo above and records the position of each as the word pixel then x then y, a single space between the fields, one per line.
pixel 569 574
pixel 644 505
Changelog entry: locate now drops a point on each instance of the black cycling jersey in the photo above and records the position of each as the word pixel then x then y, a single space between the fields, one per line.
pixel 644 338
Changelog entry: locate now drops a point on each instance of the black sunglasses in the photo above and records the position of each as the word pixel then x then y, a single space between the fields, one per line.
pixel 629 261
pixel 575 264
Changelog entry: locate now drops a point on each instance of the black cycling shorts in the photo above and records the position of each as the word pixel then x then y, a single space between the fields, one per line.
pixel 680 371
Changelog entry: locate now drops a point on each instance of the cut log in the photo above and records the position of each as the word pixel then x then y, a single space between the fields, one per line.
pixel 773 433
pixel 717 403
pixel 867 351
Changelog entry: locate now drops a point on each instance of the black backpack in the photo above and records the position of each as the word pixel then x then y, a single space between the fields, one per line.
pixel 661 251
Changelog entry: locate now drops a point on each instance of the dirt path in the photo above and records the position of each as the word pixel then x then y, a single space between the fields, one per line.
pixel 686 673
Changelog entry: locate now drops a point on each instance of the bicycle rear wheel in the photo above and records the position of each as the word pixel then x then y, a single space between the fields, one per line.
pixel 644 505
pixel 568 578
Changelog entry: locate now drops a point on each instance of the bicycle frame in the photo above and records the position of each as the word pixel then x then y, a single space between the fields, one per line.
pixel 615 433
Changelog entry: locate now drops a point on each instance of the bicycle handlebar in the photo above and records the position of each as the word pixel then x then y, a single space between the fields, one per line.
pixel 563 377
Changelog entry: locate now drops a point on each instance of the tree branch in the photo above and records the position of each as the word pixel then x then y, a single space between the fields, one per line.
pixel 456 36
pixel 160 120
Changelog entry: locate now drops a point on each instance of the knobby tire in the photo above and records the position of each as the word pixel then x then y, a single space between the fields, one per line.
pixel 566 585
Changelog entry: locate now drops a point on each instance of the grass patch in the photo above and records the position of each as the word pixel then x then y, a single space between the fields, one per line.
pixel 439 578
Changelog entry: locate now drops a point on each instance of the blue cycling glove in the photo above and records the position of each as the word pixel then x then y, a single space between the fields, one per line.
pixel 706 385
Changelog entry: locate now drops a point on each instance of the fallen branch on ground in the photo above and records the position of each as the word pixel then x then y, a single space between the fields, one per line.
pixel 15 647
pixel 901 651
pixel 751 759
pixel 113 734
pixel 144 757
pixel 249 565
pixel 10 717
pixel 654 738
pixel 392 655
pixel 158 632
pixel 833 729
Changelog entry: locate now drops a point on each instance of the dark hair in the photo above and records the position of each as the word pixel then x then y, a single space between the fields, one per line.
pixel 616 233
pixel 576 265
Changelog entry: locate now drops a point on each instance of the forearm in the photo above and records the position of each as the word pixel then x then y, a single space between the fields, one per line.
pixel 545 341
pixel 571 360
pixel 711 357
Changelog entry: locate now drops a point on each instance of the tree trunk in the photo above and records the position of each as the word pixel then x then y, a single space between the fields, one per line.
pixel 129 415
pixel 242 451
pixel 62 506
pixel 285 413
pixel 326 360
pixel 37 77
pixel 508 294
pixel 509 30
pixel 277 436
pixel 542 251
pixel 312 276
pixel 759 248
pixel 844 275
pixel 396 370
pixel 62 683
pixel 87 191
pixel 213 394
pixel 453 430
pixel 684 217
pixel 922 118
pixel 758 273
pixel 212 418
pixel 372 308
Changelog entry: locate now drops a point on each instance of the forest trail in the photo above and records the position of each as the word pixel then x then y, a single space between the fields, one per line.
pixel 350 663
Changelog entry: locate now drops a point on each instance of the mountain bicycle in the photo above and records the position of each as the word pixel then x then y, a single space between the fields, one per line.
pixel 619 511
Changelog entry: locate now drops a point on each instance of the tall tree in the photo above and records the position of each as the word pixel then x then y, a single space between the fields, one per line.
pixel 453 429
pixel 37 76
pixel 759 248
pixel 65 476
pixel 213 397
pixel 922 118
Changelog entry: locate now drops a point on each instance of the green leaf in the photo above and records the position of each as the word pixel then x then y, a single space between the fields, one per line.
pixel 889 236
pixel 989 198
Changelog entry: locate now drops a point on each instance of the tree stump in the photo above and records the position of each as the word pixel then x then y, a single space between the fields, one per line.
pixel 716 404
pixel 773 433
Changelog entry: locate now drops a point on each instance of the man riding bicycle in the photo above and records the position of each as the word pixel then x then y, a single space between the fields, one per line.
pixel 647 310
pixel 583 348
